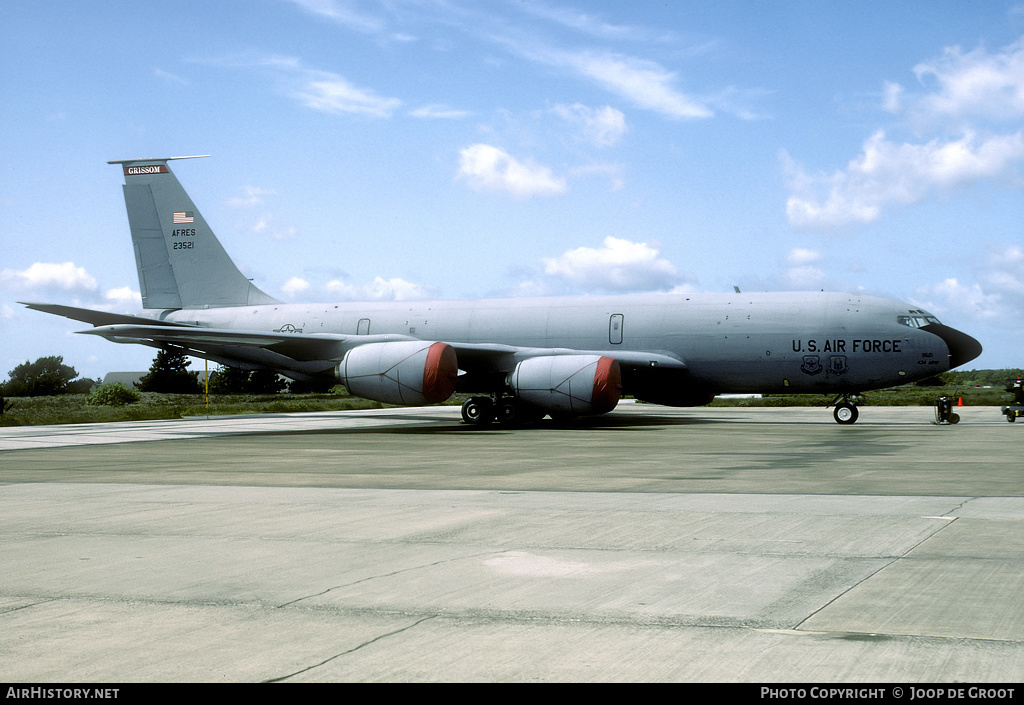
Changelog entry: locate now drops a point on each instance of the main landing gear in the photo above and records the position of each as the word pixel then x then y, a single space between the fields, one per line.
pixel 478 410
pixel 846 410
pixel 506 411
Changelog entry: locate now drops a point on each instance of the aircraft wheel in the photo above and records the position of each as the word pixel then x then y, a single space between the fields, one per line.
pixel 478 410
pixel 845 413
pixel 510 412
pixel 507 412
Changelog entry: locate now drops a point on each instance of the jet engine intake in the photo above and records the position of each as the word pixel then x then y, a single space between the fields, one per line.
pixel 568 384
pixel 402 372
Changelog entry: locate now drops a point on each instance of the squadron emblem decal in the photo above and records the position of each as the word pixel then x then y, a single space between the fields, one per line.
pixel 812 365
pixel 837 364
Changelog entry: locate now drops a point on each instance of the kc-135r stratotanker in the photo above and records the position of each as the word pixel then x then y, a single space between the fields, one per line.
pixel 524 358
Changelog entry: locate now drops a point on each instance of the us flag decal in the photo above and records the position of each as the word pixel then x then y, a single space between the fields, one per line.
pixel 183 217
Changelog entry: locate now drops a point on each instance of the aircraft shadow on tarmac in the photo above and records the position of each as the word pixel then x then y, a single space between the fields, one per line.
pixel 431 425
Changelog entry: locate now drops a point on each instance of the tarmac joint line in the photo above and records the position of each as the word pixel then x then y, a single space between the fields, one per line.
pixel 346 652
pixel 872 574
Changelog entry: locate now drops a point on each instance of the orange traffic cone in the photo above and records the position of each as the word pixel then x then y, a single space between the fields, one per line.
pixel 959 401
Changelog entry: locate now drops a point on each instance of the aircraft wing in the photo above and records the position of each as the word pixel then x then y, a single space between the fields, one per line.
pixel 488 356
pixel 314 353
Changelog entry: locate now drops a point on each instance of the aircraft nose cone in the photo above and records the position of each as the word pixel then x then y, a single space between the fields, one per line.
pixel 962 347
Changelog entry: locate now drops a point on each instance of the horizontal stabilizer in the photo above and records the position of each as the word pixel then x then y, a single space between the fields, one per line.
pixel 98 318
pixel 154 159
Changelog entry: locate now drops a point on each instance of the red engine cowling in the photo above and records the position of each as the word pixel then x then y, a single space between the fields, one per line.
pixel 569 384
pixel 403 372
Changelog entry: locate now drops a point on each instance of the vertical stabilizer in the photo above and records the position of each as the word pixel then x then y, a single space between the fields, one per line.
pixel 181 263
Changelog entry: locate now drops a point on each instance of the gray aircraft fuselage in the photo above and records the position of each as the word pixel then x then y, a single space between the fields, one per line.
pixel 804 342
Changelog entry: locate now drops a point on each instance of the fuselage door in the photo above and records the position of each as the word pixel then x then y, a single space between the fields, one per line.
pixel 615 329
pixel 363 328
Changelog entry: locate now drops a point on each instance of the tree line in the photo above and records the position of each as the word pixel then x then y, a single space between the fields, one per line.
pixel 984 378
pixel 169 374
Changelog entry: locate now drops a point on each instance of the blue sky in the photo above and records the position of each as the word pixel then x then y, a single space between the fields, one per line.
pixel 450 149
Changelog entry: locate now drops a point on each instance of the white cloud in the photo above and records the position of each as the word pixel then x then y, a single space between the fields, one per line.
pixel 251 196
pixel 295 287
pixel 330 93
pixel 1003 278
pixel 439 112
pixel 323 91
pixel 1005 272
pixel 124 298
pixel 168 76
pixel 800 257
pixel 975 84
pixel 49 275
pixel 892 96
pixel 996 297
pixel 736 101
pixel 619 265
pixel 802 272
pixel 585 23
pixel 488 168
pixel 342 13
pixel 262 224
pixel 265 225
pixel 889 173
pixel 613 172
pixel 963 301
pixel 805 277
pixel 283 234
pixel 380 289
pixel 645 83
pixel 602 127
pixel 967 95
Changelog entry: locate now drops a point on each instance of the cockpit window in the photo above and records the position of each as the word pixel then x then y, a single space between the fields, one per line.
pixel 917 319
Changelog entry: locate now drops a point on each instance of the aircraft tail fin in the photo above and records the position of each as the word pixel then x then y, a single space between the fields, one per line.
pixel 180 261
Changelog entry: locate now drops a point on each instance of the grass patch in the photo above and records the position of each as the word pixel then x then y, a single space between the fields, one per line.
pixel 73 408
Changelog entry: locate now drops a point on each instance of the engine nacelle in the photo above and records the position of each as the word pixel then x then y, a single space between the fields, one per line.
pixel 403 372
pixel 568 384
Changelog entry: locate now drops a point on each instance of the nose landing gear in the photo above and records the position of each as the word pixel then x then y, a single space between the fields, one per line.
pixel 846 410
